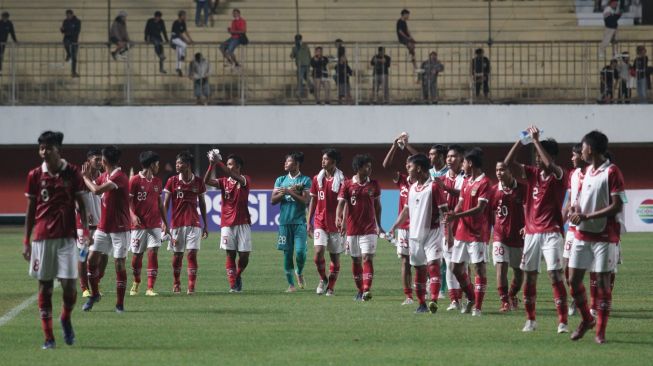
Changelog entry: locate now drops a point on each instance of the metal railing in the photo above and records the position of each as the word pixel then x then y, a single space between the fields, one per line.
pixel 522 72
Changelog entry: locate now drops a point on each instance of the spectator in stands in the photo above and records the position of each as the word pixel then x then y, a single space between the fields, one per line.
pixel 431 69
pixel 611 20
pixel 405 37
pixel 118 34
pixel 180 39
pixel 320 74
pixel 481 73
pixel 636 9
pixel 237 30
pixel 214 11
pixel 641 68
pixel 155 33
pixel 609 75
pixel 302 56
pixel 623 67
pixel 341 51
pixel 202 6
pixel 380 71
pixel 198 71
pixel 70 28
pixel 342 74
pixel 6 30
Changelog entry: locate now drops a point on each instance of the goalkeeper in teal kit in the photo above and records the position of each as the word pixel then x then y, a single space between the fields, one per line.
pixel 291 191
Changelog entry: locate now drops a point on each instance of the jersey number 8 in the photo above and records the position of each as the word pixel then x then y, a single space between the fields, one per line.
pixel 45 195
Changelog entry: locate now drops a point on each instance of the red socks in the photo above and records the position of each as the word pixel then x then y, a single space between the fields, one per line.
pixel 192 269
pixel 455 294
pixel 514 289
pixel 321 266
pixel 604 305
pixel 93 279
pixel 137 265
pixel 466 286
pixel 69 300
pixel 152 268
pixel 121 286
pixel 479 291
pixel 580 297
pixel 334 269
pixel 434 276
pixel 45 311
pixel 560 300
pixel 357 271
pixel 503 294
pixel 230 266
pixel 530 295
pixel 176 267
pixel 368 275
pixel 83 276
pixel 593 289
pixel 420 285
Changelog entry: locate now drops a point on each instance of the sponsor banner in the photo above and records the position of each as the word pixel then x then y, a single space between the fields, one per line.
pixel 639 210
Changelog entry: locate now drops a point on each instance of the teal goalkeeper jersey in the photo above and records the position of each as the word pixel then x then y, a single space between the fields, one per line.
pixel 292 212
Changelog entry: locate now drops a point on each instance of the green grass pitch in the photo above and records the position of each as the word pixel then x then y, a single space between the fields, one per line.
pixel 264 325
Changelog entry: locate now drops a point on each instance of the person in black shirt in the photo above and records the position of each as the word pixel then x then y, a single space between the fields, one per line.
pixel 320 75
pixel 340 48
pixel 70 28
pixel 405 37
pixel 180 39
pixel 343 72
pixel 641 68
pixel 154 28
pixel 6 30
pixel 481 73
pixel 380 66
pixel 609 75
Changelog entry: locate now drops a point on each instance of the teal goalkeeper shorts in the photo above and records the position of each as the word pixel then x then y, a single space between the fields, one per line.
pixel 292 236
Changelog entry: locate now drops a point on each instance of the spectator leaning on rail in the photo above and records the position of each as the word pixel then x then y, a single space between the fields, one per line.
pixel 431 68
pixel 611 17
pixel 154 29
pixel 180 39
pixel 70 28
pixel 481 73
pixel 320 75
pixel 302 56
pixel 380 71
pixel 641 69
pixel 405 37
pixel 343 72
pixel 118 34
pixel 6 30
pixel 237 29
pixel 198 71
pixel 202 6
pixel 609 75
pixel 625 77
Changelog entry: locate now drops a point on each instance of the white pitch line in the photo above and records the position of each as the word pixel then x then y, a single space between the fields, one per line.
pixel 11 314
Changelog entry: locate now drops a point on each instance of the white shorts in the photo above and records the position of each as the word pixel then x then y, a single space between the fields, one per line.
pixel 427 249
pixel 569 241
pixel 466 252
pixel 537 245
pixel 185 238
pixel 80 234
pixel 358 245
pixel 237 237
pixel 502 253
pixel 594 256
pixel 53 258
pixel 332 241
pixel 403 247
pixel 145 238
pixel 446 251
pixel 115 244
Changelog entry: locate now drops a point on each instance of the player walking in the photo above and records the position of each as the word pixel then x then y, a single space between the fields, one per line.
pixel 439 168
pixel 52 190
pixel 147 214
pixel 291 191
pixel 359 216
pixel 185 192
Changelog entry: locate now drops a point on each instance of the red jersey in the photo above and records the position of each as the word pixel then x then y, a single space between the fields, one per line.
pixel 235 198
pixel 115 216
pixel 55 200
pixel 361 212
pixel 404 187
pixel 474 228
pixel 184 200
pixel 449 182
pixel 327 203
pixel 145 195
pixel 508 207
pixel 543 208
pixel 238 25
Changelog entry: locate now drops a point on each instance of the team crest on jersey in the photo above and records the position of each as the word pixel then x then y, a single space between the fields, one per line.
pixel 370 191
pixel 194 189
pixel 156 189
pixel 43 183
pixel 474 191
pixel 143 187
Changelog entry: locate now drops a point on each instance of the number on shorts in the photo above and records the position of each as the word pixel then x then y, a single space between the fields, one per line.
pixel 36 266
pixel 282 240
pixel 45 195
pixel 135 242
pixel 568 246
pixel 403 243
pixel 498 250
pixel 317 235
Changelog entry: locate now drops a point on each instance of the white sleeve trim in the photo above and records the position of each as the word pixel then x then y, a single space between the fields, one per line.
pixel 115 186
pixel 342 199
pixel 483 199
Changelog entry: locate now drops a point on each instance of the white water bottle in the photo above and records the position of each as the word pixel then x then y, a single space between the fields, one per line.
pixel 525 138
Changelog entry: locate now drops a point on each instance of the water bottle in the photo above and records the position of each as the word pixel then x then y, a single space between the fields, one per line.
pixel 389 238
pixel 525 137
pixel 83 253
pixel 402 140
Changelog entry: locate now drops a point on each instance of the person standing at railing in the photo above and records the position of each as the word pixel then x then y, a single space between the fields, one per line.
pixel 431 69
pixel 237 29
pixel 70 28
pixel 623 67
pixel 609 75
pixel 405 37
pixel 118 35
pixel 198 71
pixel 611 17
pixel 380 69
pixel 180 39
pixel 320 75
pixel 302 56
pixel 6 30
pixel 481 73
pixel 154 28
pixel 641 68
pixel 343 72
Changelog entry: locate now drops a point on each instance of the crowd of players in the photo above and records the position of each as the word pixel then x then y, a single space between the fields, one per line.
pixel 449 212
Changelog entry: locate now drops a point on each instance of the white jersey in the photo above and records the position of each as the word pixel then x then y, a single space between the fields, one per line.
pixel 93 203
pixel 423 203
pixel 597 188
pixel 575 183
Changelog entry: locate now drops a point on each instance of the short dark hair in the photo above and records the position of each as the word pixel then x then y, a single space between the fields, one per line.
pixel 112 154
pixel 576 149
pixel 333 154
pixel 475 155
pixel 181 13
pixel 360 160
pixel 54 138
pixel 185 156
pixel 5 14
pixel 69 12
pixel 298 37
pixel 157 14
pixel 198 56
pixel 239 161
pixel 597 140
pixel 236 10
pixel 610 156
pixel 405 11
pixel 94 151
pixel 297 156
pixel 381 49
pixel 420 160
pixel 478 51
pixel 551 147
pixel 147 158
pixel 441 149
pixel 457 148
pixel 318 48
